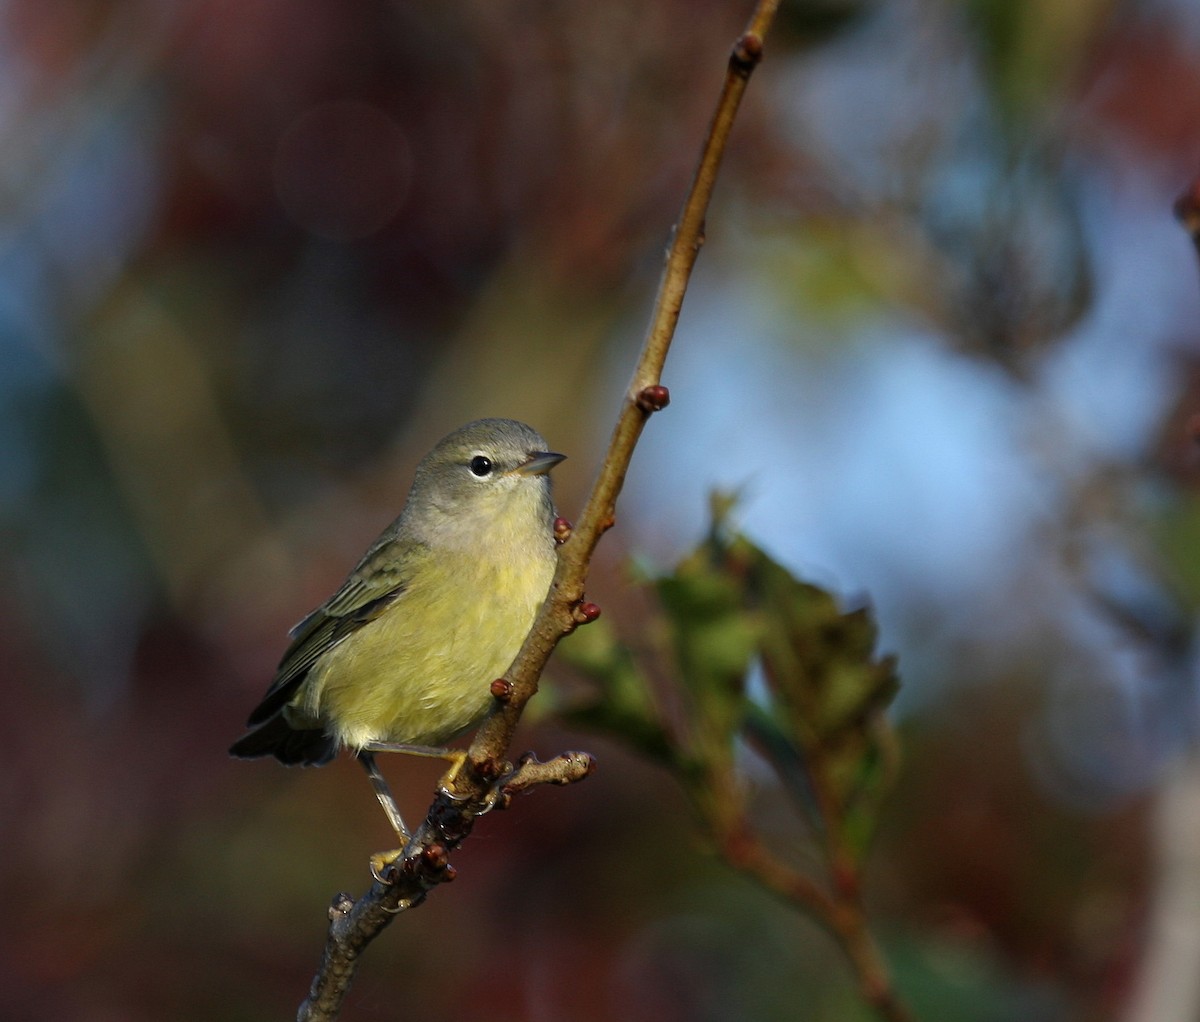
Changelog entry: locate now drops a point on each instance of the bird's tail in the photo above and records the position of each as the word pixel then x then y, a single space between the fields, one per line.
pixel 275 737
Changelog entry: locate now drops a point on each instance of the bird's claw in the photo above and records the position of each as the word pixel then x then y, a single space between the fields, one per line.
pixel 383 863
pixel 493 797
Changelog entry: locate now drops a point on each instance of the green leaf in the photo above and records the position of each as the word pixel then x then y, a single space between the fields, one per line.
pixel 826 690
pixel 714 642
pixel 829 688
pixel 820 722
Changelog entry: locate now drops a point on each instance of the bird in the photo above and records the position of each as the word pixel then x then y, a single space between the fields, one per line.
pixel 401 657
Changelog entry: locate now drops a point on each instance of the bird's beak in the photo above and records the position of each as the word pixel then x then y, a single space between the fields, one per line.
pixel 539 463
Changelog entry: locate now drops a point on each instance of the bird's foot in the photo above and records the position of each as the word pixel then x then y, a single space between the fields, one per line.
pixel 448 783
pixel 498 772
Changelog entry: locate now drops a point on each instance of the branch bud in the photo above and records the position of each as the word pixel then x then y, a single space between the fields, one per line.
pixel 486 768
pixel 436 856
pixel 585 613
pixel 341 905
pixel 747 52
pixel 653 399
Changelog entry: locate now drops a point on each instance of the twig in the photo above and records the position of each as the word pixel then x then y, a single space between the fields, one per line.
pixel 423 865
pixel 645 396
pixel 841 913
pixel 836 904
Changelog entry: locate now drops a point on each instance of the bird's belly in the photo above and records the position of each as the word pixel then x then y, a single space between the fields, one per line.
pixel 421 673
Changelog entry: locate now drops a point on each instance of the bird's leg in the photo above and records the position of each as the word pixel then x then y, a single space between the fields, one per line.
pixel 381 860
pixel 457 757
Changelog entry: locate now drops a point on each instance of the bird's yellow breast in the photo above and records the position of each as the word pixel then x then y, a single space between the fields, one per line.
pixel 420 673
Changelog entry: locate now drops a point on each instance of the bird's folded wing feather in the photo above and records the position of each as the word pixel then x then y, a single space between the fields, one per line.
pixel 374 586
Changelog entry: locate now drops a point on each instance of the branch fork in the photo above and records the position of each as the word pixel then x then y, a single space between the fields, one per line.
pixel 423 863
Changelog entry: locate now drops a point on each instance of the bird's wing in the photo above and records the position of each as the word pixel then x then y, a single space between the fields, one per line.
pixel 374 586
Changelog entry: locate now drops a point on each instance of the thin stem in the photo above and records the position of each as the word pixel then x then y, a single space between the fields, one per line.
pixel 838 908
pixel 423 865
pixel 556 619
pixel 842 915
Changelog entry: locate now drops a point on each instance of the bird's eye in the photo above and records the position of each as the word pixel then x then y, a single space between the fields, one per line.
pixel 481 466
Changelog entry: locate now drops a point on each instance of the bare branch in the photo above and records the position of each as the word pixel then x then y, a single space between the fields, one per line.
pixel 565 769
pixel 840 912
pixel 645 396
pixel 423 863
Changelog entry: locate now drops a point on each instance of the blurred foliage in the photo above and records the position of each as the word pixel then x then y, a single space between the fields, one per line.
pixel 817 719
pixel 1177 532
pixel 812 22
pixel 1030 50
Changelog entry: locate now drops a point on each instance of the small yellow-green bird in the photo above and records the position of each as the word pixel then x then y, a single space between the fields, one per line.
pixel 401 657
